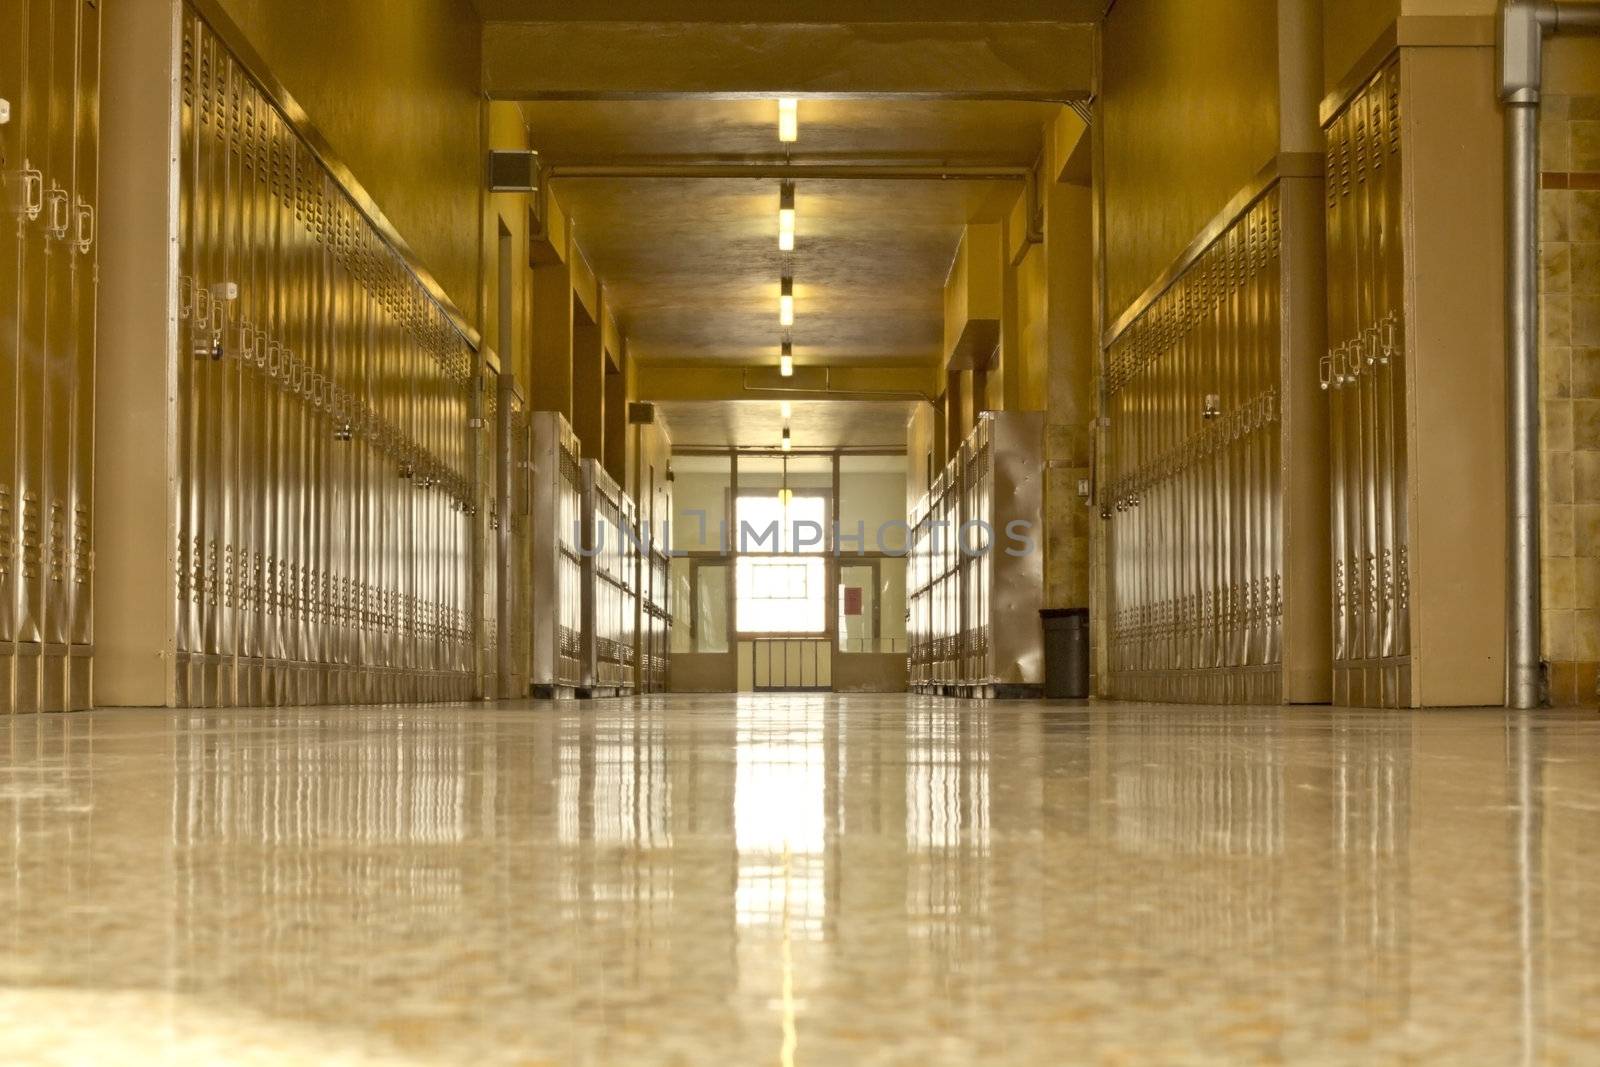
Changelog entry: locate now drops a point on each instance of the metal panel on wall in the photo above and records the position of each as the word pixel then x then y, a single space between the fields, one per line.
pixel 1196 587
pixel 49 72
pixel 1364 374
pixel 325 501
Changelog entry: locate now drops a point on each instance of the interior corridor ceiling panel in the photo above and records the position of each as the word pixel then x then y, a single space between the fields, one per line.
pixel 813 423
pixel 692 265
pixel 846 11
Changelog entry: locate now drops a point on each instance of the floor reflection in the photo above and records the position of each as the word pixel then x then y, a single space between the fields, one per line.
pixel 800 879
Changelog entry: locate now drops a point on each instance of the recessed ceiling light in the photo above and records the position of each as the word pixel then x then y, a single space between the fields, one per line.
pixel 788 119
pixel 786 217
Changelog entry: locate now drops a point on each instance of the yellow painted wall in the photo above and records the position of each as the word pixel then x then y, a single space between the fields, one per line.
pixel 1028 391
pixel 1349 27
pixel 1190 117
pixel 395 92
pixel 1572 66
pixel 507 131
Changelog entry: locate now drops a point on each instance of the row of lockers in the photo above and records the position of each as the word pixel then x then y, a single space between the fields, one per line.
pixel 1194 479
pixel 49 198
pixel 349 476
pixel 1197 441
pixel 328 479
pixel 597 576
pixel 610 583
pixel 974 572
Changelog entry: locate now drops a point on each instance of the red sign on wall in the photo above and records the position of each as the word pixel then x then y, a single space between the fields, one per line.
pixel 852 600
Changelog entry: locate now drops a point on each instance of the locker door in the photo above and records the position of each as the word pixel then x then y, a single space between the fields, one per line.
pixel 80 469
pixel 20 193
pixel 39 113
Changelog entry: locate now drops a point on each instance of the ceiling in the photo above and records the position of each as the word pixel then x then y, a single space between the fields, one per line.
pixel 691 265
pixel 813 424
pixel 836 11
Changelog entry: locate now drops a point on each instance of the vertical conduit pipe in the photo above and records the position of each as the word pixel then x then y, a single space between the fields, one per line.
pixel 1523 26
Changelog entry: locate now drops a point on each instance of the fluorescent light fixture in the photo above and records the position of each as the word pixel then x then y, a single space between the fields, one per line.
pixel 788 119
pixel 786 303
pixel 786 218
pixel 787 443
pixel 786 362
pixel 786 409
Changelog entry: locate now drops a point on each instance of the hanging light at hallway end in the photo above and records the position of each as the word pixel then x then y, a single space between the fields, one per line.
pixel 786 302
pixel 787 441
pixel 788 119
pixel 786 362
pixel 786 217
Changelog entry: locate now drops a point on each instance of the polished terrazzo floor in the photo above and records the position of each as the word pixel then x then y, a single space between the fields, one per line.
pixel 799 880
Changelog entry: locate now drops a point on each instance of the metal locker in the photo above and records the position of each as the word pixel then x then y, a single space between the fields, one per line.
pixel 79 629
pixel 485 512
pixel 556 604
pixel 47 287
pixel 1364 375
pixel 46 203
pixel 511 532
pixel 21 196
pixel 607 620
pixel 1195 582
pixel 325 499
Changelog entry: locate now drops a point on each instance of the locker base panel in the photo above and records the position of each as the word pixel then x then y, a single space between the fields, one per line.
pixel 983 691
pixel 46 678
pixel 548 691
pixel 599 692
pixel 1232 685
pixel 216 681
pixel 1373 683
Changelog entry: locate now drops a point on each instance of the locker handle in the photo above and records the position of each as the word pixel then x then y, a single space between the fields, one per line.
pixel 1389 339
pixel 60 212
pixel 32 191
pixel 86 226
pixel 1325 371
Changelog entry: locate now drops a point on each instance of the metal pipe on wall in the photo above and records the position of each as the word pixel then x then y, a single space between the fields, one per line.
pixel 1523 26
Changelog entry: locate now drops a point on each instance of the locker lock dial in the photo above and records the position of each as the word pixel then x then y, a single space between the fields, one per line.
pixel 5 111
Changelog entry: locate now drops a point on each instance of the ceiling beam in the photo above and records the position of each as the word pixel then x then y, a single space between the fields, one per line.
pixel 662 382
pixel 600 60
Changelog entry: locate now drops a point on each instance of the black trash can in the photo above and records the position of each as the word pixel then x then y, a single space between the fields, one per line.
pixel 1066 653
